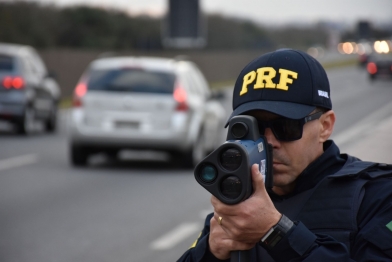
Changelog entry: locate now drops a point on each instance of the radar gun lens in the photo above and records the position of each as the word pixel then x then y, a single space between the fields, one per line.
pixel 231 159
pixel 208 173
pixel 239 130
pixel 231 187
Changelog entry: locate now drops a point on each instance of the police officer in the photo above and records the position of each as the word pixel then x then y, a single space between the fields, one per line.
pixel 324 206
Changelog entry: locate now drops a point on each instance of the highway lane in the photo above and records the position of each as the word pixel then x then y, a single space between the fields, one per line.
pixel 139 210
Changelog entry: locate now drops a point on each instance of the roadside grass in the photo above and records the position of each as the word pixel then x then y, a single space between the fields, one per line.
pixel 342 63
pixel 65 103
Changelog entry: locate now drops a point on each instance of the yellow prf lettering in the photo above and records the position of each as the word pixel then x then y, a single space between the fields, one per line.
pixel 248 78
pixel 265 75
pixel 284 78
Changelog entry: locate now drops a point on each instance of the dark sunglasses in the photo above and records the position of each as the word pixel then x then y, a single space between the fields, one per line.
pixel 286 129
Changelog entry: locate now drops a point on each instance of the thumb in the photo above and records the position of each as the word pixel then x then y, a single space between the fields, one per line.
pixel 257 180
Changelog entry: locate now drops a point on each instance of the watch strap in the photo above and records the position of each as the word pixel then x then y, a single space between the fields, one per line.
pixel 277 232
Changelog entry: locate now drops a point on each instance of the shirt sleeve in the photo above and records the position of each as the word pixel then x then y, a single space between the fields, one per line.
pixel 374 239
pixel 300 244
pixel 373 242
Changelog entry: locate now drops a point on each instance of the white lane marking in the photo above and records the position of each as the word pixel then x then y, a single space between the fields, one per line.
pixel 362 127
pixel 175 236
pixel 18 161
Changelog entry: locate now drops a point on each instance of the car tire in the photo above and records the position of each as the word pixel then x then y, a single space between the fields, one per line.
pixel 372 77
pixel 112 154
pixel 26 124
pixel 79 155
pixel 51 123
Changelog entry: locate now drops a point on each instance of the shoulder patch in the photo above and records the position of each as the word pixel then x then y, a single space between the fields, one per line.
pixel 194 243
pixel 389 226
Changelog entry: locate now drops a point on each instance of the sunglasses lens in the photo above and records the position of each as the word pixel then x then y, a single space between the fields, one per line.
pixel 261 127
pixel 287 129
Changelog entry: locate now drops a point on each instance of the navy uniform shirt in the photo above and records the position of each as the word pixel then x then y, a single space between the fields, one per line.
pixel 372 243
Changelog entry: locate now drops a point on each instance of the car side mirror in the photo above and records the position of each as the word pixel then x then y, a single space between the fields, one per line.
pixel 217 95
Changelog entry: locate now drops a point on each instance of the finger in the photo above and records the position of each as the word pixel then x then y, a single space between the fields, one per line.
pixel 214 201
pixel 257 179
pixel 217 204
pixel 218 219
pixel 222 208
pixel 221 243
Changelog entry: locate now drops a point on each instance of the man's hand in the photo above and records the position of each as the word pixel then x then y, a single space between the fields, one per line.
pixel 243 224
pixel 221 244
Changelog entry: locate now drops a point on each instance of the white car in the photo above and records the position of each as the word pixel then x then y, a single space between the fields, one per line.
pixel 144 103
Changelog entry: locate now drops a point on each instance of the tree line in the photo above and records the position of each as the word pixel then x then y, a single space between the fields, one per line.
pixel 84 27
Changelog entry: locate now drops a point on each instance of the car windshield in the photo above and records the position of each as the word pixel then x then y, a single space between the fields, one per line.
pixel 6 63
pixel 131 80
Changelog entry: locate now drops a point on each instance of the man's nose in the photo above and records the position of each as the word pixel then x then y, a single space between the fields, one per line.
pixel 271 139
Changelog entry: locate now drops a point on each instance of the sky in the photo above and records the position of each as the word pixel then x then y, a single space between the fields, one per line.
pixel 267 12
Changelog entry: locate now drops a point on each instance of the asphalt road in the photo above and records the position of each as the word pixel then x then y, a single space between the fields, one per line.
pixel 137 209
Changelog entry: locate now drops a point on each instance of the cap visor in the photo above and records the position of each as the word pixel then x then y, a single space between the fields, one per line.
pixel 285 109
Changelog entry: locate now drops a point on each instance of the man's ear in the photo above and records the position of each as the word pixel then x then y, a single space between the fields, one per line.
pixel 327 121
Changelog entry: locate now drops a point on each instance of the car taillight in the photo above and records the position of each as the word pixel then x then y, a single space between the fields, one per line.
pixel 371 68
pixel 180 96
pixel 15 82
pixel 80 91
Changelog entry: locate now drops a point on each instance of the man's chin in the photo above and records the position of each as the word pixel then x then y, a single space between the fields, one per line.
pixel 282 184
pixel 280 180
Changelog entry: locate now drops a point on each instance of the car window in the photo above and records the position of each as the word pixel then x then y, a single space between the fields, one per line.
pixel 37 63
pixel 28 67
pixel 32 66
pixel 201 82
pixel 6 63
pixel 131 80
pixel 192 85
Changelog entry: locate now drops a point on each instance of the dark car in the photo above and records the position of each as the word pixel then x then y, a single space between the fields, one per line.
pixel 27 92
pixel 363 59
pixel 379 65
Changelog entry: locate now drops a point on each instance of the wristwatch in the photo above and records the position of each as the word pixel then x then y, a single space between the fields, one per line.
pixel 276 233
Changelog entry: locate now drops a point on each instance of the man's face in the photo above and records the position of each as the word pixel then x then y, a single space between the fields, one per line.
pixel 291 158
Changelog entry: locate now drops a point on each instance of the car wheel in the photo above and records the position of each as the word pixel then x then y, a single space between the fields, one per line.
pixel 26 125
pixel 79 155
pixel 112 154
pixel 372 77
pixel 51 123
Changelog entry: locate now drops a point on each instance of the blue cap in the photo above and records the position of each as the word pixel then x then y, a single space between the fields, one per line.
pixel 286 82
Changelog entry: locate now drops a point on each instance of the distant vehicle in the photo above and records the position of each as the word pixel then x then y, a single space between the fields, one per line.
pixel 28 93
pixel 363 59
pixel 379 65
pixel 144 103
pixel 365 50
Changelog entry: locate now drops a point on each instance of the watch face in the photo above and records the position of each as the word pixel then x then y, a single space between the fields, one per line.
pixel 274 238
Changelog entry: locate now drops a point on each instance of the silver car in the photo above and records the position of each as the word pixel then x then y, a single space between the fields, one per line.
pixel 28 93
pixel 144 103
